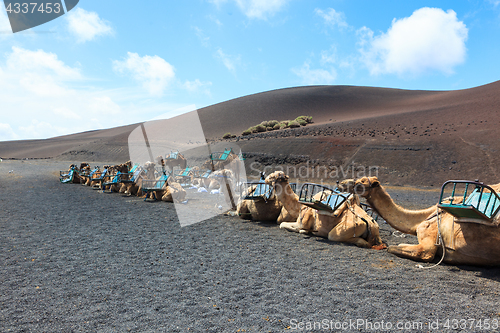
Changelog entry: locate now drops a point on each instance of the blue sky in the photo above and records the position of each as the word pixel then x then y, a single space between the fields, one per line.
pixel 111 63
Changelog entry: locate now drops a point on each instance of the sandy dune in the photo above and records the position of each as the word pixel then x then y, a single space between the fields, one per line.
pixel 413 137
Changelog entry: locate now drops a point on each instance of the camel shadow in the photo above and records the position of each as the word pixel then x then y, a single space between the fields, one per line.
pixel 490 273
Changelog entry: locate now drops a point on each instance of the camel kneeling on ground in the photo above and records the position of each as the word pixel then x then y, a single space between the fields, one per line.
pixel 349 223
pixel 259 209
pixel 465 243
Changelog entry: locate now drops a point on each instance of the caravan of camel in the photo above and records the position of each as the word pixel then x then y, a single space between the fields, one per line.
pixel 460 229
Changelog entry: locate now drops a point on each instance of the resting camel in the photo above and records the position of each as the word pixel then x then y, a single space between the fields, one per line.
pixel 76 174
pixel 170 163
pixel 349 223
pixel 260 210
pixel 148 172
pixel 232 158
pixel 465 243
pixel 173 193
pixel 113 171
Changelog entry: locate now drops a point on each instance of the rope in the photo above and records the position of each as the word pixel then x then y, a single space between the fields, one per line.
pixel 440 238
pixel 368 229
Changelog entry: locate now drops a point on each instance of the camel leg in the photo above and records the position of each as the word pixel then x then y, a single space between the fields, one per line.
pixel 292 226
pixel 243 211
pixel 426 248
pixel 358 241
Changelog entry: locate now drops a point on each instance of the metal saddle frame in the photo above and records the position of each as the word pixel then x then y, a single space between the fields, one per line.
pixel 154 185
pixel 330 199
pixel 479 202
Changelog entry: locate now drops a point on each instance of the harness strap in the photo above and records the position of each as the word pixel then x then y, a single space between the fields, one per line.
pixel 368 229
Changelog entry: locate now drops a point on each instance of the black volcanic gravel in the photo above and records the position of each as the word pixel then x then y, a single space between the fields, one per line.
pixel 73 259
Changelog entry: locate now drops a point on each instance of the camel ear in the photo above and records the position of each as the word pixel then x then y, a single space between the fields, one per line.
pixel 375 183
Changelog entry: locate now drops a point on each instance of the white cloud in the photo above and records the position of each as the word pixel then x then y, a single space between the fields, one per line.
pixel 7 133
pixel 315 76
pixel 332 17
pixel 495 2
pixel 215 20
pixel 44 97
pixel 153 72
pixel 86 26
pixel 197 86
pixel 4 23
pixel 328 57
pixel 429 40
pixel 256 9
pixel 229 61
pixel 205 40
pixel 25 61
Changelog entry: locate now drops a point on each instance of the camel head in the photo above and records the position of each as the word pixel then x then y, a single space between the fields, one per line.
pixel 207 165
pixel 362 186
pixel 160 161
pixel 122 168
pixel 84 166
pixel 276 177
pixel 150 169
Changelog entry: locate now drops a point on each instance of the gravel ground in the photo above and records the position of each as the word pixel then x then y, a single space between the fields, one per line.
pixel 73 259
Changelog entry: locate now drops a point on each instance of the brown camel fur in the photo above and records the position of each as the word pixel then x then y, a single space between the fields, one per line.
pixel 148 172
pixel 346 224
pixel 113 171
pixel 76 176
pixel 173 193
pixel 259 210
pixel 180 162
pixel 98 175
pixel 465 243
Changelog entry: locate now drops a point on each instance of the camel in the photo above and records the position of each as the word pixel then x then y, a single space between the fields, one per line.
pixel 74 172
pixel 115 170
pixel 98 175
pixel 349 223
pixel 179 161
pixel 173 193
pixel 148 172
pixel 232 158
pixel 463 243
pixel 260 210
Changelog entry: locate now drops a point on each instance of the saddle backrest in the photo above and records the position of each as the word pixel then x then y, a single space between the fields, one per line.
pixel 480 203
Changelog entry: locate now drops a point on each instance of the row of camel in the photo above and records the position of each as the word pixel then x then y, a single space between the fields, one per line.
pixel 438 233
pixel 170 191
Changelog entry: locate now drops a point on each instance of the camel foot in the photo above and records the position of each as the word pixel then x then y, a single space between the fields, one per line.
pixel 379 246
pixel 413 252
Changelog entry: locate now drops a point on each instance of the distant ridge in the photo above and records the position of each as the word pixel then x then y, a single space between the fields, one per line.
pixel 415 136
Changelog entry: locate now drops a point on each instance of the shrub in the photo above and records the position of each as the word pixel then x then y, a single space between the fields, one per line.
pixel 301 121
pixel 227 136
pixel 293 124
pixel 307 119
pixel 247 132
pixel 277 127
pixel 272 123
pixel 284 124
pixel 260 128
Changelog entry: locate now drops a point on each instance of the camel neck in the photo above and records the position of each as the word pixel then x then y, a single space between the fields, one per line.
pixel 398 217
pixel 286 195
